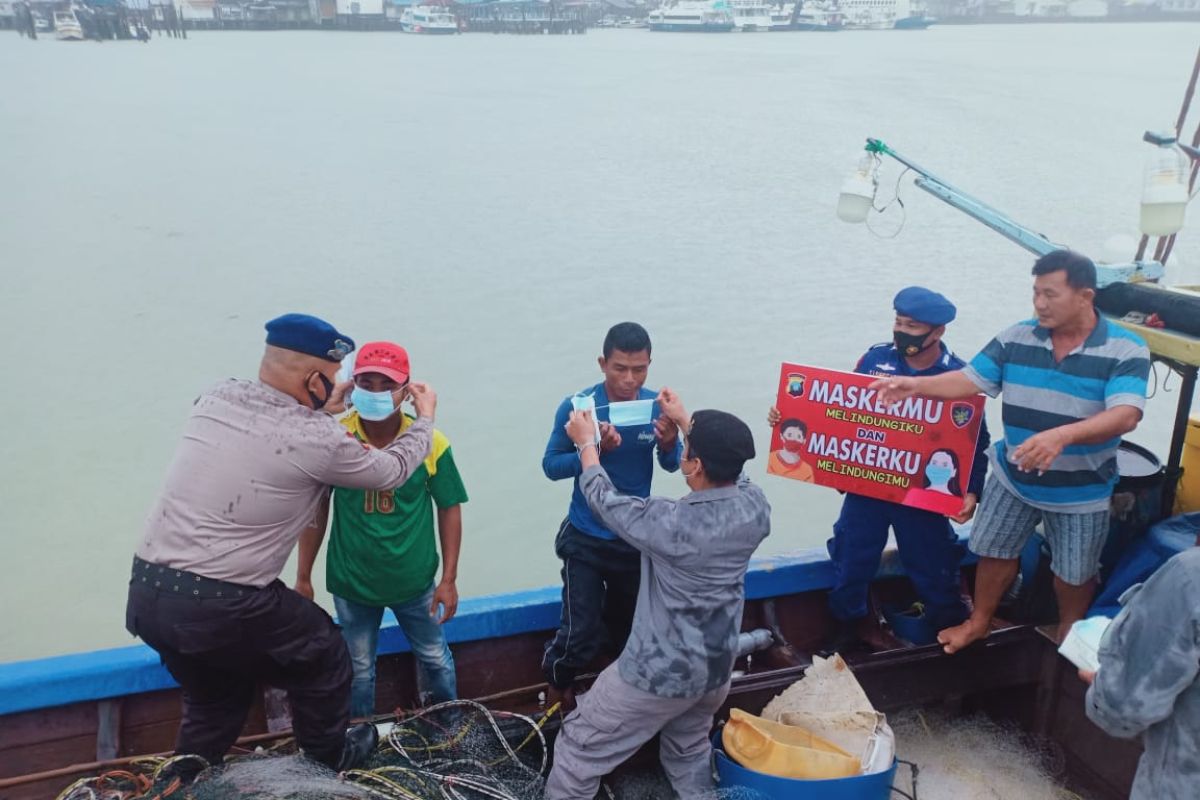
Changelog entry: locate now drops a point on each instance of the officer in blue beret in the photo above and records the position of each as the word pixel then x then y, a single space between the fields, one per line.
pixel 928 545
pixel 255 463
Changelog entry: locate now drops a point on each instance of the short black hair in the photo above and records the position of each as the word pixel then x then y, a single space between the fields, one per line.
pixel 722 442
pixel 1081 272
pixel 788 424
pixel 628 337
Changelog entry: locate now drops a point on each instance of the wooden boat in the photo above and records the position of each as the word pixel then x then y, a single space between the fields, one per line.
pixel 71 716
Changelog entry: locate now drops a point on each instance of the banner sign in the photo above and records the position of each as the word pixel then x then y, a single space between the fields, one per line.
pixel 834 432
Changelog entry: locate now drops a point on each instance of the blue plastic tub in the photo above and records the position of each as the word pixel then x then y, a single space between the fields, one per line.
pixel 861 787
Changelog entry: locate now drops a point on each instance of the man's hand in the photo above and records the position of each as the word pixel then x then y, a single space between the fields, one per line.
pixel 580 428
pixel 667 433
pixel 445 595
pixel 336 403
pixel 893 390
pixel 773 416
pixel 424 398
pixel 304 588
pixel 672 407
pixel 1039 451
pixel 968 509
pixel 610 437
pixel 1087 676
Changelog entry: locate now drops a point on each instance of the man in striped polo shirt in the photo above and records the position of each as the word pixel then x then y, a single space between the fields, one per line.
pixel 1074 384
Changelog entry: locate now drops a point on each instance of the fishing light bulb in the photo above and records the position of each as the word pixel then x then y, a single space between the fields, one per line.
pixel 857 197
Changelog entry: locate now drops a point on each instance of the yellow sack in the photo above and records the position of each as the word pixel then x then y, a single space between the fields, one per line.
pixel 785 751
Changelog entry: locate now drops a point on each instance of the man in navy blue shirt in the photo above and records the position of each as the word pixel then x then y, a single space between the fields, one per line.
pixel 928 545
pixel 600 572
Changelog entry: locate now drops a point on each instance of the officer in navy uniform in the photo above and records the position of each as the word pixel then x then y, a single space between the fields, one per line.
pixel 255 460
pixel 928 545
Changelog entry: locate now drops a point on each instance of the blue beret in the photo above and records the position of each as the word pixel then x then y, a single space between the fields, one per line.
pixel 306 334
pixel 924 305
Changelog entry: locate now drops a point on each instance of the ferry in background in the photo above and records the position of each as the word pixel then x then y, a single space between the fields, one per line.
pixel 751 16
pixel 67 27
pixel 884 15
pixel 815 16
pixel 428 19
pixel 693 16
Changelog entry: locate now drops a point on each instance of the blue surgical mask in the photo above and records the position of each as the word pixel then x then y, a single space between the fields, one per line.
pixel 372 406
pixel 629 413
pixel 938 476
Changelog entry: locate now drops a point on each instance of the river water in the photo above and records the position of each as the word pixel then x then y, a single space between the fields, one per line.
pixel 495 203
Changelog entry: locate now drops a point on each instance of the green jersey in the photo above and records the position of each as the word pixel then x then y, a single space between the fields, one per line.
pixel 382 548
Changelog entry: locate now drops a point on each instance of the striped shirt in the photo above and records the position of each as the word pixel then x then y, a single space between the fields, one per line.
pixel 1109 369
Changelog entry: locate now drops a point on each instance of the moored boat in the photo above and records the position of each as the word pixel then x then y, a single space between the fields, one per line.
pixel 67 27
pixel 692 16
pixel 428 19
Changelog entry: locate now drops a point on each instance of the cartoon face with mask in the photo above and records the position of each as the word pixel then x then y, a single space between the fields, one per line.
pixel 792 435
pixel 941 472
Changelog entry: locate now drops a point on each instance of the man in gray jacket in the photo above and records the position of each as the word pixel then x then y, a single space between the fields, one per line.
pixel 674 672
pixel 1149 679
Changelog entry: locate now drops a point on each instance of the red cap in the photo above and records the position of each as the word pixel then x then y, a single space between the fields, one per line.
pixel 385 358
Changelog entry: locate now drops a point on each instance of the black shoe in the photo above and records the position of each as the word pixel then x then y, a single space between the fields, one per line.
pixel 844 639
pixel 361 741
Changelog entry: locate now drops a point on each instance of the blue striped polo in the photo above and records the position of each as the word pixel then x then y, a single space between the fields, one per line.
pixel 1109 369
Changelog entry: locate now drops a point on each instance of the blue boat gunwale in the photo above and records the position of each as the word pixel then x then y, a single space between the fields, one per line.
pixel 116 672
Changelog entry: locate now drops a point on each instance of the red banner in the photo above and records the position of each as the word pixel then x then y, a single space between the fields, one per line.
pixel 835 432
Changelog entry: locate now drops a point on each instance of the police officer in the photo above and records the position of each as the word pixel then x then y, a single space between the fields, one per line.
pixel 928 545
pixel 255 459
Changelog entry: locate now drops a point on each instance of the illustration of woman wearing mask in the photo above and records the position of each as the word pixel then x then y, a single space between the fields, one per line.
pixel 788 461
pixel 940 478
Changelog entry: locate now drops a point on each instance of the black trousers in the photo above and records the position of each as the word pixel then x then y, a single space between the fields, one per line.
pixel 219 649
pixel 600 588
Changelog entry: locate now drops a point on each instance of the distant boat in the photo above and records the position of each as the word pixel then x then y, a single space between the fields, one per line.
pixel 67 27
pixel 884 15
pixel 751 16
pixel 693 16
pixel 826 17
pixel 428 19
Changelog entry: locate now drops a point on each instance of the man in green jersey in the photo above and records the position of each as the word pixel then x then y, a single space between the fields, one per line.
pixel 381 549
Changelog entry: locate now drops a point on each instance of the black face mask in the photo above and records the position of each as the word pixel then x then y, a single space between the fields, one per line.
pixel 319 402
pixel 910 344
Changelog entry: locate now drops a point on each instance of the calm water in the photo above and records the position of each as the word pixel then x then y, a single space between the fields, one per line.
pixel 495 203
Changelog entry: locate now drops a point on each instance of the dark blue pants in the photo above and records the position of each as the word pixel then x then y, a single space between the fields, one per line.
pixel 600 589
pixel 928 548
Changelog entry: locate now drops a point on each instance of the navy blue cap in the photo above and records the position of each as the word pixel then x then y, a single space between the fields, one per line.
pixel 310 335
pixel 924 305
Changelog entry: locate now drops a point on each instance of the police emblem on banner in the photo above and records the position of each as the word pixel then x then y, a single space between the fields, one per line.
pixel 961 414
pixel 795 385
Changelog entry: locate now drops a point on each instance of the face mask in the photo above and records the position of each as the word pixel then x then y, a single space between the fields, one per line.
pixel 938 476
pixel 909 344
pixel 372 406
pixel 319 402
pixel 693 473
pixel 793 446
pixel 631 412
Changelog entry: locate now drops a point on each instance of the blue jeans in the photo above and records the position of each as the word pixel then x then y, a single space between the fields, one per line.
pixel 360 627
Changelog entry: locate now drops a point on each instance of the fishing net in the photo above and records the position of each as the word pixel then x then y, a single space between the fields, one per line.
pixel 452 751
pixel 976 758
